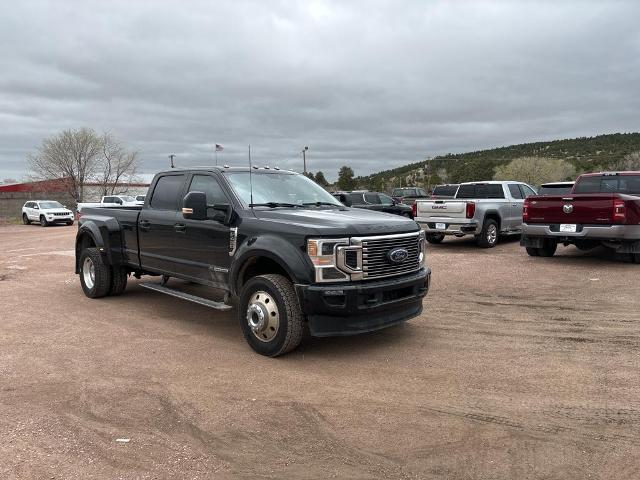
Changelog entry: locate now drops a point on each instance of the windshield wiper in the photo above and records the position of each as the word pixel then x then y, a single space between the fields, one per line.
pixel 273 204
pixel 318 204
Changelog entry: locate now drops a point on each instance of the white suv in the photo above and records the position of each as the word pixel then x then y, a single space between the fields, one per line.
pixel 46 212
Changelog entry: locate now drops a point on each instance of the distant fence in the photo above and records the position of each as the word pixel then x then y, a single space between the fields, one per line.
pixel 11 202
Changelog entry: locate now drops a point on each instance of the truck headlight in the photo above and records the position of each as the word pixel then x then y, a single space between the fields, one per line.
pixel 422 248
pixel 322 253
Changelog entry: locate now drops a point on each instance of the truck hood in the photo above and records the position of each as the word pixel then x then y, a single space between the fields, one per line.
pixel 333 221
pixel 55 210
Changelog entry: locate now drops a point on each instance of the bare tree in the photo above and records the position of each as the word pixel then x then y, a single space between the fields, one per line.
pixel 631 161
pixel 70 155
pixel 80 156
pixel 535 170
pixel 118 166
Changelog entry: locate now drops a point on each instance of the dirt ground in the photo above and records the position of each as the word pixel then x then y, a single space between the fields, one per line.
pixel 519 368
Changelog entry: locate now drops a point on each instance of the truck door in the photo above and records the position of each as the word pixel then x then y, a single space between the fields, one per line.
pixel 202 246
pixel 157 224
pixel 517 203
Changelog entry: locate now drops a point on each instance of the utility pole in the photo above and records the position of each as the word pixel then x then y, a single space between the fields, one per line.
pixel 304 159
pixel 171 158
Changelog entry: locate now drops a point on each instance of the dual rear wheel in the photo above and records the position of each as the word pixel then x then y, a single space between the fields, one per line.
pixel 99 279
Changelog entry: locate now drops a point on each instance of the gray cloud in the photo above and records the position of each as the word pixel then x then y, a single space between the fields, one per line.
pixel 371 84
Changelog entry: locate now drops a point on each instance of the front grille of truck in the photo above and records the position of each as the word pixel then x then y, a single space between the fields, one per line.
pixel 60 214
pixel 375 255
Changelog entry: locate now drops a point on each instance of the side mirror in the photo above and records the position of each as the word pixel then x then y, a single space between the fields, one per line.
pixel 344 199
pixel 36 207
pixel 194 206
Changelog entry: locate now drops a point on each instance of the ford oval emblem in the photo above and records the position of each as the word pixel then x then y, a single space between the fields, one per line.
pixel 397 255
pixel 567 208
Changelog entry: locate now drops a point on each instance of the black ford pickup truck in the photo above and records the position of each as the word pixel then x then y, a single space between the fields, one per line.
pixel 274 242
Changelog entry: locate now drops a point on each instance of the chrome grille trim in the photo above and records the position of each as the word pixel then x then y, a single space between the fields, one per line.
pixel 374 254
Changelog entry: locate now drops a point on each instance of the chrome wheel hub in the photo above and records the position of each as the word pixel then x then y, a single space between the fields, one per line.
pixel 492 234
pixel 89 273
pixel 263 317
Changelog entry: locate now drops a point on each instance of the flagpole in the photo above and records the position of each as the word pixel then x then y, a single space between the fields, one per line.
pixel 215 149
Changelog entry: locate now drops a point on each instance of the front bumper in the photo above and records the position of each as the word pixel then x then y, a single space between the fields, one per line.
pixel 590 232
pixel 336 310
pixel 453 226
pixel 60 219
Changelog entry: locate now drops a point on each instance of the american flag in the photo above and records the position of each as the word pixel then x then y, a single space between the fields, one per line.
pixel 219 147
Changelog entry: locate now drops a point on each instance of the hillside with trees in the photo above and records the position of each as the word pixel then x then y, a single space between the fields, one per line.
pixel 584 154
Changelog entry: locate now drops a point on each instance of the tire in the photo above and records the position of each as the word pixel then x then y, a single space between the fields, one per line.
pixel 435 238
pixel 25 219
pixel 70 223
pixel 548 248
pixel 488 237
pixel 119 277
pixel 270 316
pixel 43 221
pixel 635 258
pixel 533 252
pixel 98 284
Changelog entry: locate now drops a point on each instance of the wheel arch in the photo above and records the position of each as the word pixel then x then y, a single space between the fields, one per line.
pixel 256 263
pixel 495 216
pixel 88 236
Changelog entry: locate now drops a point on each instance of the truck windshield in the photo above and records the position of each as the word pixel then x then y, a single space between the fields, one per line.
pixel 609 184
pixel 127 198
pixel 280 189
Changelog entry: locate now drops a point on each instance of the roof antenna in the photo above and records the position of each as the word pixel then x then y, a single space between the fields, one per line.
pixel 171 158
pixel 250 180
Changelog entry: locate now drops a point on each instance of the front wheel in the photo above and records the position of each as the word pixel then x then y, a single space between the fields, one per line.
pixel 533 252
pixel 95 274
pixel 43 221
pixel 435 238
pixel 488 237
pixel 70 222
pixel 270 316
pixel 25 219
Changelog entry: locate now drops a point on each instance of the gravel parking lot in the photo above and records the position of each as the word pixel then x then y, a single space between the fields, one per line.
pixel 519 368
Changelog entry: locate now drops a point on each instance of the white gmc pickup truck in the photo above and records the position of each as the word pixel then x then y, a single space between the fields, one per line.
pixel 483 209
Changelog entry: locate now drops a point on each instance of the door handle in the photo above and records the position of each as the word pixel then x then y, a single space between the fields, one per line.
pixel 514 204
pixel 144 225
pixel 180 227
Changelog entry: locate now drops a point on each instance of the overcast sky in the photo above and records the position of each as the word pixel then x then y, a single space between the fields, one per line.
pixel 371 84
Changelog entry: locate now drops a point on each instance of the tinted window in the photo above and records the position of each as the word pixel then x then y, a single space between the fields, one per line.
pixel 355 198
pixel 385 199
pixel 480 191
pixel 210 186
pixel 166 192
pixel 526 191
pixel 609 184
pixel 515 191
pixel 554 189
pixel 445 190
pixel 422 192
pixel 372 198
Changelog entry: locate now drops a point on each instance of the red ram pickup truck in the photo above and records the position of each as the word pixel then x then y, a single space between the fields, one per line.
pixel 602 209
